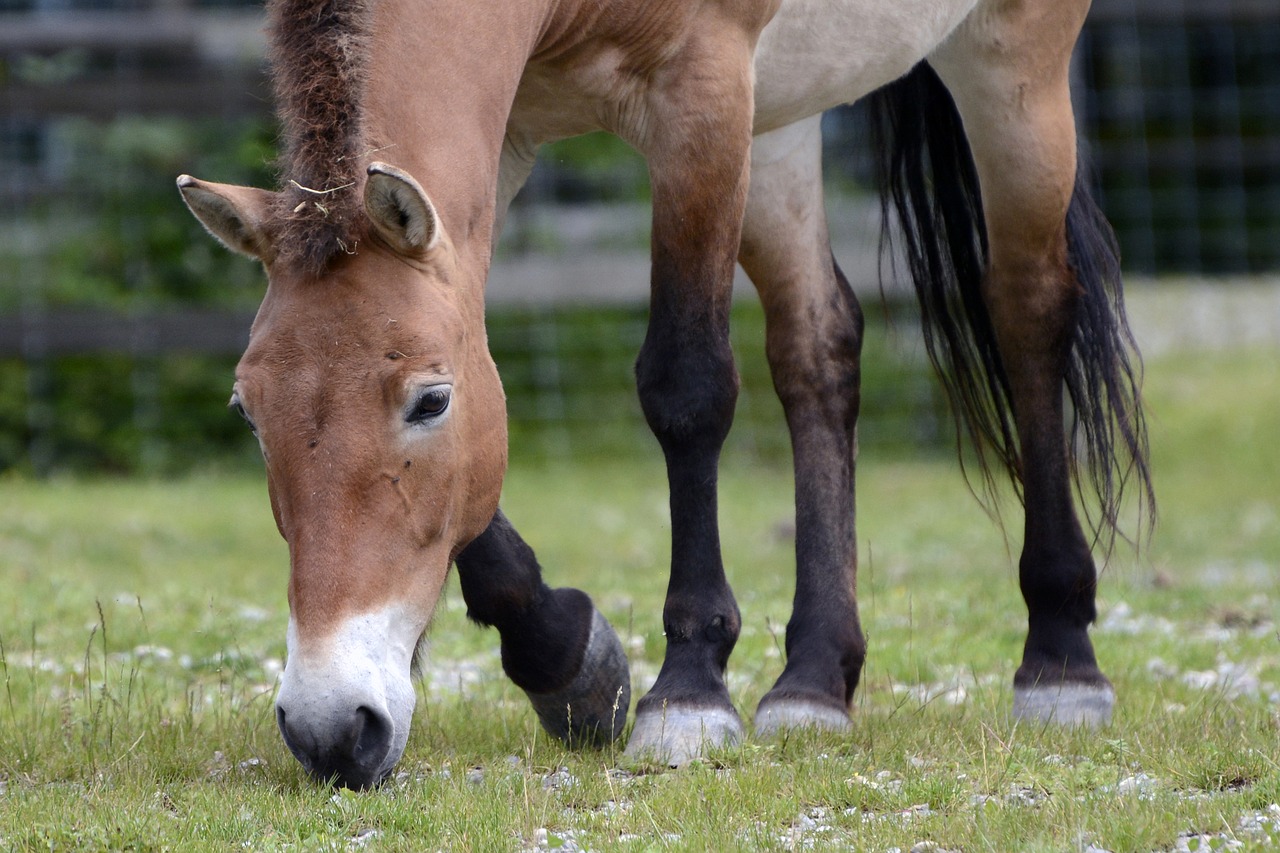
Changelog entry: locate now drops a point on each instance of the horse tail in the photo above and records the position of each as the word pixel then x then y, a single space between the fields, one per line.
pixel 928 178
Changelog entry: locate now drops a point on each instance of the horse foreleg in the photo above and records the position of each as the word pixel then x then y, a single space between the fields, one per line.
pixel 688 385
pixel 1009 78
pixel 555 645
pixel 813 342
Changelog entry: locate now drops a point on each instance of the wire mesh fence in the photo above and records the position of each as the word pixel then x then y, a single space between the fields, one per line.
pixel 567 371
pixel 1182 114
pixel 1179 105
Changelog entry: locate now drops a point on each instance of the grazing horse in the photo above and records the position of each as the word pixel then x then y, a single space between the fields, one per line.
pixel 408 127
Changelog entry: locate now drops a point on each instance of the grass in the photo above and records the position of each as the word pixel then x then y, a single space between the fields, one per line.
pixel 142 627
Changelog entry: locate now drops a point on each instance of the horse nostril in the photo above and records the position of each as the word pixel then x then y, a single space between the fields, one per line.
pixel 373 736
pixel 300 751
pixel 351 754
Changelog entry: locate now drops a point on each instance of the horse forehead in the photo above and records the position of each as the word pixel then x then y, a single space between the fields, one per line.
pixel 346 328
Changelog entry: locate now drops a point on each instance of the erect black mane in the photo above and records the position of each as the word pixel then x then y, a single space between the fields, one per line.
pixel 319 53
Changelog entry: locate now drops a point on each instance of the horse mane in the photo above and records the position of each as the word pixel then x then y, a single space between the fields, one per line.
pixel 319 51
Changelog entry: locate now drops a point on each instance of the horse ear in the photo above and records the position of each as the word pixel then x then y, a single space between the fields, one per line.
pixel 234 215
pixel 399 209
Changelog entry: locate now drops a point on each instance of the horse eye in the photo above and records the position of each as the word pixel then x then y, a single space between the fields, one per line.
pixel 238 407
pixel 430 404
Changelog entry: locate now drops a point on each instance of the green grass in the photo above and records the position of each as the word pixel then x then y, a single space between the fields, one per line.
pixel 142 626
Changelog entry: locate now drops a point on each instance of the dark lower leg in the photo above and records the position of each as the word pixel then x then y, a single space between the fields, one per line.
pixel 1056 570
pixel 555 645
pixel 814 355
pixel 1056 574
pixel 688 387
pixel 1059 679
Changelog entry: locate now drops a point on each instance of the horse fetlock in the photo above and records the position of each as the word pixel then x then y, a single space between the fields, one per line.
pixel 813 691
pixel 546 646
pixel 1066 660
pixel 692 672
pixel 719 631
pixel 591 710
pixel 824 654
pixel 1058 647
pixel 723 630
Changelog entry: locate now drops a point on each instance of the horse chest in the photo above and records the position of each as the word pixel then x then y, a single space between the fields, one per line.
pixel 554 102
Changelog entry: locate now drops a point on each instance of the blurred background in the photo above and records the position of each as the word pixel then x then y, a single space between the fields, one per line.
pixel 121 322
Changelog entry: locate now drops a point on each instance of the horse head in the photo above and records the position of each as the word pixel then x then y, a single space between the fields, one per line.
pixel 382 423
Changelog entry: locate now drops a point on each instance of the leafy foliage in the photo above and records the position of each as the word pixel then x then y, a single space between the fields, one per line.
pixel 567 373
pixel 108 228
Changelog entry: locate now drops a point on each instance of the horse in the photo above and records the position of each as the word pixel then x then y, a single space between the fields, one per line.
pixel 409 126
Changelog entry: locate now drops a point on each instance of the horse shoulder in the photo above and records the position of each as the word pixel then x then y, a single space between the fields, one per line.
pixel 602 66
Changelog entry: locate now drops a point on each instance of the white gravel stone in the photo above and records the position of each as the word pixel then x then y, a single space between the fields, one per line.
pixel 559 780
pixel 1139 785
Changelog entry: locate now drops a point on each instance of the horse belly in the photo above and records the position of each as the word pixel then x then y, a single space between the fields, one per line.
pixel 817 54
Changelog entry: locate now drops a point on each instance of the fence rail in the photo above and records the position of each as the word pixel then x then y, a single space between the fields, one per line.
pixel 99 64
pixel 1178 103
pixel 43 334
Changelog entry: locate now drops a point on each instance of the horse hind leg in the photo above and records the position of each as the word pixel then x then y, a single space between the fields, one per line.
pixel 1009 80
pixel 813 341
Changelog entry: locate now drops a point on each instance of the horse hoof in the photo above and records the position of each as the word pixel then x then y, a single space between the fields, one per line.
pixel 592 709
pixel 1069 704
pixel 776 716
pixel 675 735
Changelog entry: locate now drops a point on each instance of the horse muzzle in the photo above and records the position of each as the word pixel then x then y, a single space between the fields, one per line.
pixel 344 708
pixel 357 752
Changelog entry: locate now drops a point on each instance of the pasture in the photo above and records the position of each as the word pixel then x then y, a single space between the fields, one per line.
pixel 142 632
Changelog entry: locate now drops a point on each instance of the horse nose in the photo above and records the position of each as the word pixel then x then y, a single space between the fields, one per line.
pixel 350 752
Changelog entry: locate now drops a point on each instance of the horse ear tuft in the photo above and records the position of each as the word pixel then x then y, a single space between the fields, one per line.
pixel 400 210
pixel 235 216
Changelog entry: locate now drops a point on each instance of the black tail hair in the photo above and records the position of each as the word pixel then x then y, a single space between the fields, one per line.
pixel 928 178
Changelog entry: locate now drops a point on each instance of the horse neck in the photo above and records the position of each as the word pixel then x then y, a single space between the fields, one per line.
pixel 441 81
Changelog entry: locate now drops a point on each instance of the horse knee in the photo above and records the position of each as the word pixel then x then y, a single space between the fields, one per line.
pixel 688 389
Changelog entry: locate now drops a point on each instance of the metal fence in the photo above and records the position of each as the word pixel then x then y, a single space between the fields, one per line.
pixel 1181 110
pixel 119 323
pixel 1179 105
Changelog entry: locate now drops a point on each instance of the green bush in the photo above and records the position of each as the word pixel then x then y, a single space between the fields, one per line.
pixel 109 229
pixel 567 374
